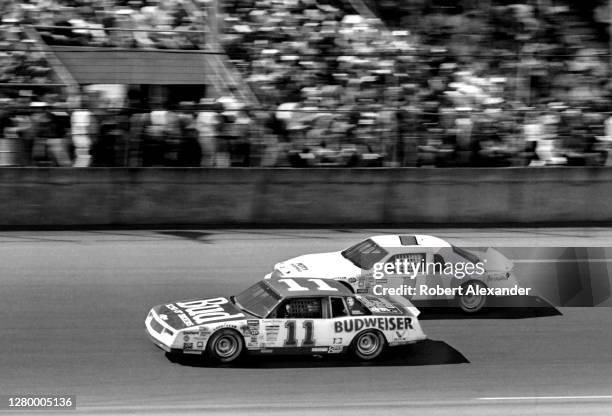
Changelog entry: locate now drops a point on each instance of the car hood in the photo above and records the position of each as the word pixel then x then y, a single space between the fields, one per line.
pixel 389 304
pixel 190 313
pixel 324 265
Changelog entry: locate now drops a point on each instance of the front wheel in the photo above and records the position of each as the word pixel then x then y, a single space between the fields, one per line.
pixel 472 301
pixel 368 345
pixel 225 346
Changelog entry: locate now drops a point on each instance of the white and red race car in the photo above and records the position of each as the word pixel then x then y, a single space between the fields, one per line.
pixel 428 263
pixel 306 316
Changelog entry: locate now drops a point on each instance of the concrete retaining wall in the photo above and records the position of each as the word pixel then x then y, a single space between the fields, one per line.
pixel 132 197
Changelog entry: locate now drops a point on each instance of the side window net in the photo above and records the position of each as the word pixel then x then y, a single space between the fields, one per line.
pixel 304 308
pixel 407 259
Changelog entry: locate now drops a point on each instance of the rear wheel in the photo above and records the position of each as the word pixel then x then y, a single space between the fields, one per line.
pixel 225 346
pixel 368 345
pixel 472 301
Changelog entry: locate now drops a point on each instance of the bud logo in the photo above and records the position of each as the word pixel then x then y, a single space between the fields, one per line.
pixel 209 310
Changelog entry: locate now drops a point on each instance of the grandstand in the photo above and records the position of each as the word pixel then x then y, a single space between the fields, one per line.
pixel 319 82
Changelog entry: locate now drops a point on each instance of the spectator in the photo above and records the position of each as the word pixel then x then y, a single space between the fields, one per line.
pixel 50 135
pixel 207 125
pixel 82 125
pixel 189 151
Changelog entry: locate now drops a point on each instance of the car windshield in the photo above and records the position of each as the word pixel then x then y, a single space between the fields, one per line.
pixel 364 254
pixel 257 300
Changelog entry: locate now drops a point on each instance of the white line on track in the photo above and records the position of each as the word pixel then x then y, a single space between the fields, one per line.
pixel 548 398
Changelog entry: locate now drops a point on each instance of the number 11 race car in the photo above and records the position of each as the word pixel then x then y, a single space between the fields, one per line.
pixel 285 316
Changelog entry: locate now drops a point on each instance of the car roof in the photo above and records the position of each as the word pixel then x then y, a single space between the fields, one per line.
pixel 312 288
pixel 408 240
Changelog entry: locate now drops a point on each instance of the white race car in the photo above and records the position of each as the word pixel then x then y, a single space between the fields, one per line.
pixel 422 262
pixel 285 316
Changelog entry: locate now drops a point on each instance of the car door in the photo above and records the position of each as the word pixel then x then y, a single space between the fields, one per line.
pixel 295 325
pixel 347 322
pixel 331 334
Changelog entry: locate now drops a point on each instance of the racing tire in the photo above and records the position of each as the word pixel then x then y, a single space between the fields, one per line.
pixel 368 345
pixel 225 346
pixel 474 302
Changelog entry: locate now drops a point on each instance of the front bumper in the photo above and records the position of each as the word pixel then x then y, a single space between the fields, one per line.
pixel 160 333
pixel 157 343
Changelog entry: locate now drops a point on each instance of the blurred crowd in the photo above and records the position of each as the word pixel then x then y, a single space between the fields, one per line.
pixel 411 83
pixel 20 61
pixel 46 130
pixel 109 23
pixel 463 84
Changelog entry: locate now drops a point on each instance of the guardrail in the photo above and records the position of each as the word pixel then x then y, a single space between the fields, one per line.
pixel 67 197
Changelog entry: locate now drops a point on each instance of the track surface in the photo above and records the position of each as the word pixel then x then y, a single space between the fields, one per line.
pixel 73 304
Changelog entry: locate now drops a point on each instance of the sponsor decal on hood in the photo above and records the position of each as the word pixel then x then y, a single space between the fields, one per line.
pixel 190 313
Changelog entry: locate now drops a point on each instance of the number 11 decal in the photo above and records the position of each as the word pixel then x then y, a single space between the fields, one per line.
pixel 291 340
pixel 309 336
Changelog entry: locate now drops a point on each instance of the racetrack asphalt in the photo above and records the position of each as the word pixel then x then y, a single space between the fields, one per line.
pixel 73 306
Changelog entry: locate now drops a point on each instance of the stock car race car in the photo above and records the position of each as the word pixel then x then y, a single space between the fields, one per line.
pixel 430 263
pixel 309 316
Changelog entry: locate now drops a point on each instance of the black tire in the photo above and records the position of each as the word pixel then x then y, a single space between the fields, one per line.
pixel 225 346
pixel 368 345
pixel 472 303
